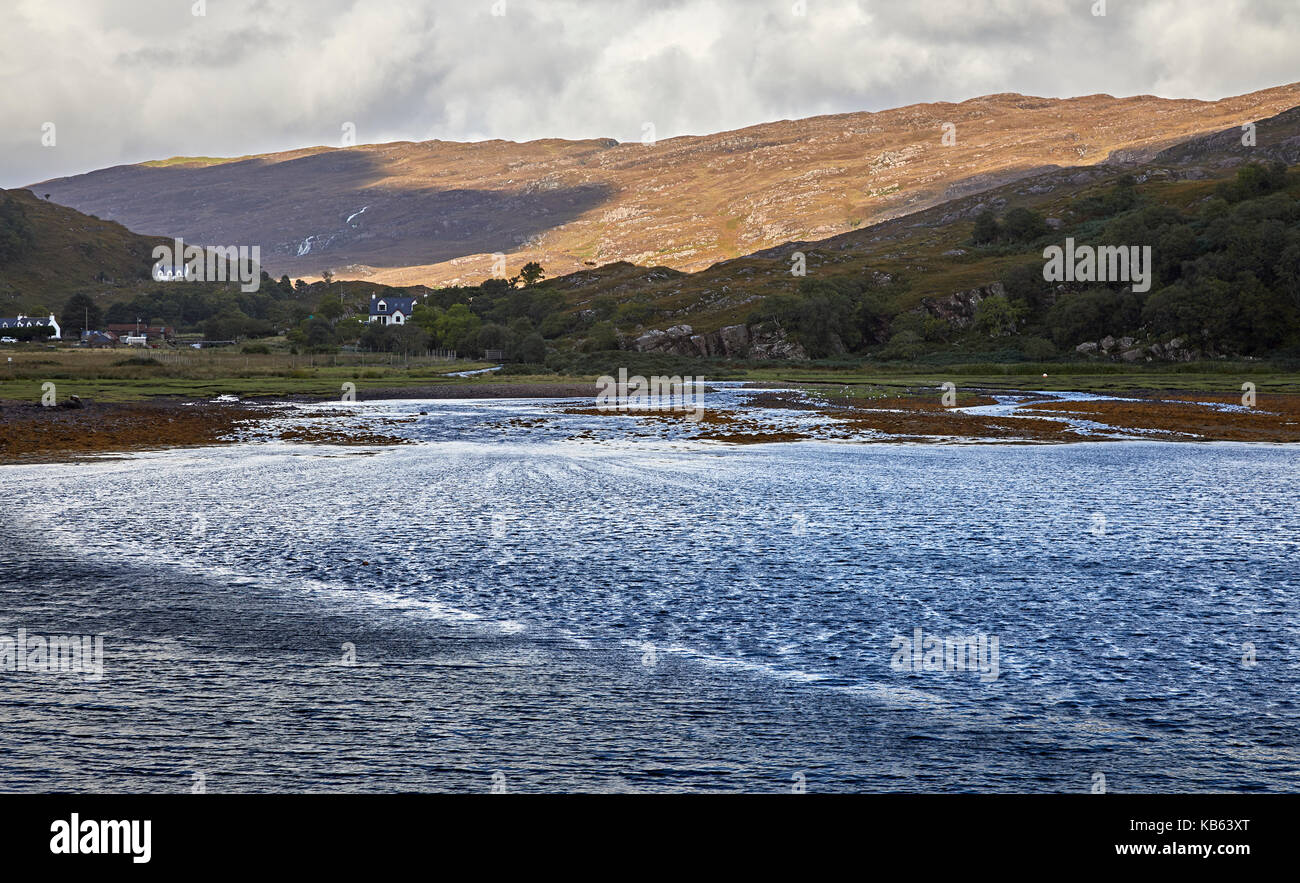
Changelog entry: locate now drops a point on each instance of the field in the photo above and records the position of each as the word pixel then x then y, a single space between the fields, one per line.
pixel 123 376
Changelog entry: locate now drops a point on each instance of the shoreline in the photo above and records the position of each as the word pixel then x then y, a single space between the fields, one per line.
pixel 81 430
pixel 67 432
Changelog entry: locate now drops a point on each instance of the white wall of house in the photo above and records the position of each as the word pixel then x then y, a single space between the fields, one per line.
pixel 21 321
pixel 379 312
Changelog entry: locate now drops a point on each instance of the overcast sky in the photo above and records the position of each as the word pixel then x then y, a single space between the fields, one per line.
pixel 131 80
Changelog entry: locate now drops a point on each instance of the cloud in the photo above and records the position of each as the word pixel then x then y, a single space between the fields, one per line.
pixel 130 80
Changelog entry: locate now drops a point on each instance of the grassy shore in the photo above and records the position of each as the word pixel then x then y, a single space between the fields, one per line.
pixel 125 376
pixel 1209 377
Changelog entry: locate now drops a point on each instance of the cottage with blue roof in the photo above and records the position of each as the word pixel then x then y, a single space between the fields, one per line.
pixel 391 310
pixel 21 321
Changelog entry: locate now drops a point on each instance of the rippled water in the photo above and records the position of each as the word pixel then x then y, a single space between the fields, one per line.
pixel 611 613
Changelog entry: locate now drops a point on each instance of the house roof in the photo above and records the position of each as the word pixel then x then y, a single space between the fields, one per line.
pixel 394 304
pixel 22 322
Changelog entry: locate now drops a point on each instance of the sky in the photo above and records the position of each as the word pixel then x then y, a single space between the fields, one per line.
pixel 95 83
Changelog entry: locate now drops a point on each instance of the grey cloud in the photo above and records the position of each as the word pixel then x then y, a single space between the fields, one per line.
pixel 130 80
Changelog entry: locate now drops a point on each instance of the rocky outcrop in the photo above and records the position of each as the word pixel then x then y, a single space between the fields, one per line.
pixel 732 341
pixel 959 307
pixel 1126 349
pixel 1274 140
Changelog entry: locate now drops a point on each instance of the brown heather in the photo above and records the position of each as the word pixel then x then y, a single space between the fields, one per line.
pixel 436 211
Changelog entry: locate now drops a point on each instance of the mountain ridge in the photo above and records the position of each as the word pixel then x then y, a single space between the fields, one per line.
pixel 436 212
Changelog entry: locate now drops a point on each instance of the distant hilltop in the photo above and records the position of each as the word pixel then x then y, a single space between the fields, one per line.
pixel 438 212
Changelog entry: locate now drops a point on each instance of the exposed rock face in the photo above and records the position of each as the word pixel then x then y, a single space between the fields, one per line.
pixel 1273 141
pixel 959 307
pixel 733 341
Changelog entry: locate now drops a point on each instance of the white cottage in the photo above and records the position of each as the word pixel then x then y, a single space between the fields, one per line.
pixel 391 310
pixel 21 321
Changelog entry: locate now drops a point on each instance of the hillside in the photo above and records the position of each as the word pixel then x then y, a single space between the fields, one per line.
pixel 68 252
pixel 435 212
pixel 921 276
pixel 49 252
pixel 1224 226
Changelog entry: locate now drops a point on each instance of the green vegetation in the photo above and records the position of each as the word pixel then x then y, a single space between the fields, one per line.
pixel 80 313
pixel 26 335
pixel 1021 225
pixel 1225 281
pixel 108 375
pixel 1225 285
pixel 16 234
pixel 195 161
pixel 1226 274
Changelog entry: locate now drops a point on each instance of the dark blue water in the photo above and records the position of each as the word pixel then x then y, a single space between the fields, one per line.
pixel 553 613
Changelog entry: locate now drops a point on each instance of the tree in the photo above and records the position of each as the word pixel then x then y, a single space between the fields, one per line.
pixel 319 335
pixel 491 337
pixel 519 328
pixel 395 338
pixel 531 350
pixel 16 234
pixel 531 274
pixel 426 316
pixel 986 228
pixel 330 310
pixel 554 325
pixel 1026 288
pixel 1254 180
pixel 349 330
pixel 457 328
pixel 819 323
pixel 328 276
pixel 80 314
pixel 229 324
pixel 1023 225
pixel 1088 315
pixel 995 317
pixel 602 336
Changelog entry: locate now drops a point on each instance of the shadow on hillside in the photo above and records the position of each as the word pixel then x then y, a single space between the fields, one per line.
pixel 327 209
